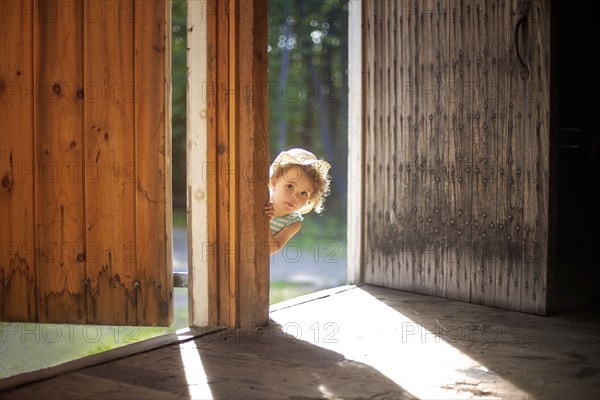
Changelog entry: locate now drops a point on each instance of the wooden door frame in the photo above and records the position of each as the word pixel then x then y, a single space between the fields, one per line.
pixel 227 163
pixel 197 159
pixel 355 143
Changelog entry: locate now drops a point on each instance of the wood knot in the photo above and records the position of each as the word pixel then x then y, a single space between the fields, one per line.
pixel 57 89
pixel 6 182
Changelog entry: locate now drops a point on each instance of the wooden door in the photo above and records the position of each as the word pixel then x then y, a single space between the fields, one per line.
pixel 457 154
pixel 85 227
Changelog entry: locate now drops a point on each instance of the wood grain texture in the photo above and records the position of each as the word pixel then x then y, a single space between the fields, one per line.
pixel 356 129
pixel 536 107
pixel 60 144
pixel 110 148
pixel 368 79
pixel 485 153
pixel 225 162
pixel 238 159
pixel 457 151
pixel 83 160
pixel 253 155
pixel 212 95
pixel 510 180
pixel 18 273
pixel 197 162
pixel 153 163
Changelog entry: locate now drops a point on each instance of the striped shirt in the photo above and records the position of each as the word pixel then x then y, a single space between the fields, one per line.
pixel 278 223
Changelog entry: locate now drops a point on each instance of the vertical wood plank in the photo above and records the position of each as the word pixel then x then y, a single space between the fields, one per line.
pixel 510 181
pixel 375 216
pixel 383 214
pixel 234 162
pixel 152 161
pixel 197 165
pixel 542 250
pixel 223 160
pixel 502 282
pixel 381 140
pixel 18 275
pixel 415 143
pixel 59 159
pixel 212 95
pixel 536 134
pixel 440 141
pixel 110 149
pixel 405 165
pixel 395 178
pixel 484 151
pixel 442 115
pixel 368 10
pixel 432 140
pixel 253 156
pixel 460 154
pixel 356 128
pixel 411 156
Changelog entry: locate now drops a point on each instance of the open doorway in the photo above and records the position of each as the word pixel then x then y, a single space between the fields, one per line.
pixel 178 129
pixel 577 156
pixel 308 108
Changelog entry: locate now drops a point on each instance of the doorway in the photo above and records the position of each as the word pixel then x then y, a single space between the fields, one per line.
pixel 308 108
pixel 577 148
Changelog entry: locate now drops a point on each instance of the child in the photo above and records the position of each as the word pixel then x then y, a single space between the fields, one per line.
pixel 299 183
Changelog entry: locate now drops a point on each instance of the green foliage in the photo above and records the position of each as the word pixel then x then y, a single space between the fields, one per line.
pixel 179 218
pixel 179 79
pixel 283 290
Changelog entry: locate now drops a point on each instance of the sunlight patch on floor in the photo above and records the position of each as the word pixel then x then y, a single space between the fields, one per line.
pixel 418 357
pixel 194 370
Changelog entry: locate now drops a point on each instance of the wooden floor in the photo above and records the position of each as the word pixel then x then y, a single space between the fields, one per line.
pixel 360 343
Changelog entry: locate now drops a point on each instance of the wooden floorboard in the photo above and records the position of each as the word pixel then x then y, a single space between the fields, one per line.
pixel 362 342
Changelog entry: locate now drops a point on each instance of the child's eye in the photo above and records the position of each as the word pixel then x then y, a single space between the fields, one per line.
pixel 290 186
pixel 305 194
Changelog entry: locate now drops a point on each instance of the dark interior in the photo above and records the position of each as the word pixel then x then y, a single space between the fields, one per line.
pixel 576 151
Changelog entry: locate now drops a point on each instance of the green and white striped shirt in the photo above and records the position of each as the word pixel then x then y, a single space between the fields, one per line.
pixel 278 223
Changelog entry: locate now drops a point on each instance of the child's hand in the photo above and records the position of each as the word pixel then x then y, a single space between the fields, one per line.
pixel 269 210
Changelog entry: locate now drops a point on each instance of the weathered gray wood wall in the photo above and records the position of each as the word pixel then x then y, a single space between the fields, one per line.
pixel 457 150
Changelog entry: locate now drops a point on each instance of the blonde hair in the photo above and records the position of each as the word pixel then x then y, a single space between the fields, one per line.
pixel 320 183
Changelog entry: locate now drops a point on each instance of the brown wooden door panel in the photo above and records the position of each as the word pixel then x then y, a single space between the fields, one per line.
pixel 18 272
pixel 85 226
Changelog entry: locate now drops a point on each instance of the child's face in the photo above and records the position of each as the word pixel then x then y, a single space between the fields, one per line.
pixel 291 191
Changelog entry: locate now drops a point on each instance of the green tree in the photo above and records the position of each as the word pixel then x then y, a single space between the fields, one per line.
pixel 179 77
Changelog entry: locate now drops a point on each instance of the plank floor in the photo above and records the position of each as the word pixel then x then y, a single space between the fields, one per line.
pixel 359 343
